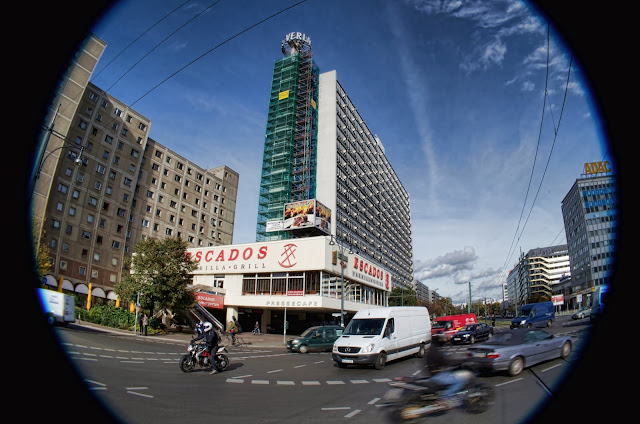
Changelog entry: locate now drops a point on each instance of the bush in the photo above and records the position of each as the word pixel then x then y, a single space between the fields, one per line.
pixel 107 315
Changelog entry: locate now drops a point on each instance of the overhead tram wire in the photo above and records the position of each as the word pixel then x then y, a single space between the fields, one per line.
pixel 216 47
pixel 139 37
pixel 544 104
pixel 555 130
pixel 165 39
pixel 57 134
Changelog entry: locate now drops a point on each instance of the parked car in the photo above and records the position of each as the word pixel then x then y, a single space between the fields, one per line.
pixel 514 351
pixel 582 313
pixel 535 314
pixel 315 338
pixel 472 333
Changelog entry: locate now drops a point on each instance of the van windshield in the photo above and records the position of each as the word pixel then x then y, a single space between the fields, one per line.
pixel 368 327
pixel 442 324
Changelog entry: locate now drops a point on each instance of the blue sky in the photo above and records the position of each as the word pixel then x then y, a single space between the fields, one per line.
pixel 454 90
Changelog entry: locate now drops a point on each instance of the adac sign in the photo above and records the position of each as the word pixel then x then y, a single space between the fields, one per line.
pixel 602 167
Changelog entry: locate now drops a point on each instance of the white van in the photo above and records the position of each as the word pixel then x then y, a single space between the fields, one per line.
pixel 377 335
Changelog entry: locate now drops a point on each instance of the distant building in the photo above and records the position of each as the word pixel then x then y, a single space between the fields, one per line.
pixel 536 273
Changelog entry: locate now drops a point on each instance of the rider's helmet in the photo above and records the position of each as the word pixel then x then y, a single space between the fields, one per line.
pixel 207 326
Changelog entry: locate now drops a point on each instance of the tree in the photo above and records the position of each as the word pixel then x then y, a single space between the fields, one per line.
pixel 159 272
pixel 41 252
pixel 403 297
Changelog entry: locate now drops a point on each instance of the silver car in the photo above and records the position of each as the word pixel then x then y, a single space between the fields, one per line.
pixel 582 313
pixel 516 350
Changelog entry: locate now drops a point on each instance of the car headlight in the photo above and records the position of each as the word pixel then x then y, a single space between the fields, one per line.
pixel 368 348
pixel 523 322
pixel 335 348
pixel 295 341
pixel 466 336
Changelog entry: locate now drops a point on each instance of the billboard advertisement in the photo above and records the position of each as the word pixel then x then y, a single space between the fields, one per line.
pixel 307 214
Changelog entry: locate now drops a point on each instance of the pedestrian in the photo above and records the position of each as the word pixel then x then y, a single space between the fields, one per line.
pixel 145 323
pixel 256 328
pixel 233 329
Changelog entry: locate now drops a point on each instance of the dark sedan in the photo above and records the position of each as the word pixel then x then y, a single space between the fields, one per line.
pixel 472 333
pixel 516 350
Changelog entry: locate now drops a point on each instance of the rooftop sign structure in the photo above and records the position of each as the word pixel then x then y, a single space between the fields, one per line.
pixel 295 42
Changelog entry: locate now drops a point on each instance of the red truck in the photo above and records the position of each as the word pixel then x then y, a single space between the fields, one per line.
pixel 443 328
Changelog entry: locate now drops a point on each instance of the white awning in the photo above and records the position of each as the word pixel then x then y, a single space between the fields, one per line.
pixel 49 280
pixel 82 288
pixel 98 292
pixel 112 295
pixel 66 285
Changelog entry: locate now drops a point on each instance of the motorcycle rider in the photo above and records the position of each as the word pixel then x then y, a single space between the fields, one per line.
pixel 442 372
pixel 211 339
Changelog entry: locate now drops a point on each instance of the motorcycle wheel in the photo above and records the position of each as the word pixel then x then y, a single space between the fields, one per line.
pixel 187 364
pixel 223 362
pixel 407 411
pixel 479 398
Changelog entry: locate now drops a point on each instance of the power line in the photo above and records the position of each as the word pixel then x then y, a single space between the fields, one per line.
pixel 140 36
pixel 214 48
pixel 158 45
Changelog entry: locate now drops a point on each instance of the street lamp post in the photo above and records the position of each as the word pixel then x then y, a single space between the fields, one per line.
pixel 332 242
pixel 77 160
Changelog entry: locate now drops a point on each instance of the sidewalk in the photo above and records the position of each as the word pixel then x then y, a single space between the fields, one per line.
pixel 251 341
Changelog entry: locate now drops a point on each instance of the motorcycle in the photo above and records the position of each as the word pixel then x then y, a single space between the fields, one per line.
pixel 413 398
pixel 199 356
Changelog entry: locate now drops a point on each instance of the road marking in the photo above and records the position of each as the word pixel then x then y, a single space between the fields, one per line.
pixel 299 366
pixel 259 381
pixel 336 408
pixel 352 413
pixel 335 382
pixel 139 394
pixel 551 367
pixel 87 359
pixel 508 382
pixel 272 371
pixel 234 380
pixel 382 380
pixel 372 401
pixel 310 383
pixel 286 383
pixel 359 381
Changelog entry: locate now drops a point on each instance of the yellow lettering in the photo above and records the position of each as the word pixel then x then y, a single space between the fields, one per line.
pixel 587 169
pixel 607 168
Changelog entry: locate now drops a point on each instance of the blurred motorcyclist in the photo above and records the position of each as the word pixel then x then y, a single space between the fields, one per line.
pixel 211 339
pixel 443 372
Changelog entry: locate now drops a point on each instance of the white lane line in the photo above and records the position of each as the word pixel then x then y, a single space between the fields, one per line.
pixel 382 380
pixel 552 367
pixel 372 401
pixel 336 408
pixel 310 383
pixel 352 413
pixel 272 371
pixel 259 381
pixel 359 381
pixel 286 383
pixel 139 394
pixel 234 380
pixel 508 382
pixel 299 366
pixel 335 382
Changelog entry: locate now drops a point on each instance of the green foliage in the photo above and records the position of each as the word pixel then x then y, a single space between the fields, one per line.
pixel 107 315
pixel 403 297
pixel 160 272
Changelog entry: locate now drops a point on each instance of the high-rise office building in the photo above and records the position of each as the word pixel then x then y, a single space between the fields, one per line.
pixel 317 146
pixel 590 216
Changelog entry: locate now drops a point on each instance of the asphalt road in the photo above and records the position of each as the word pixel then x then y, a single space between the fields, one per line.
pixel 138 379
